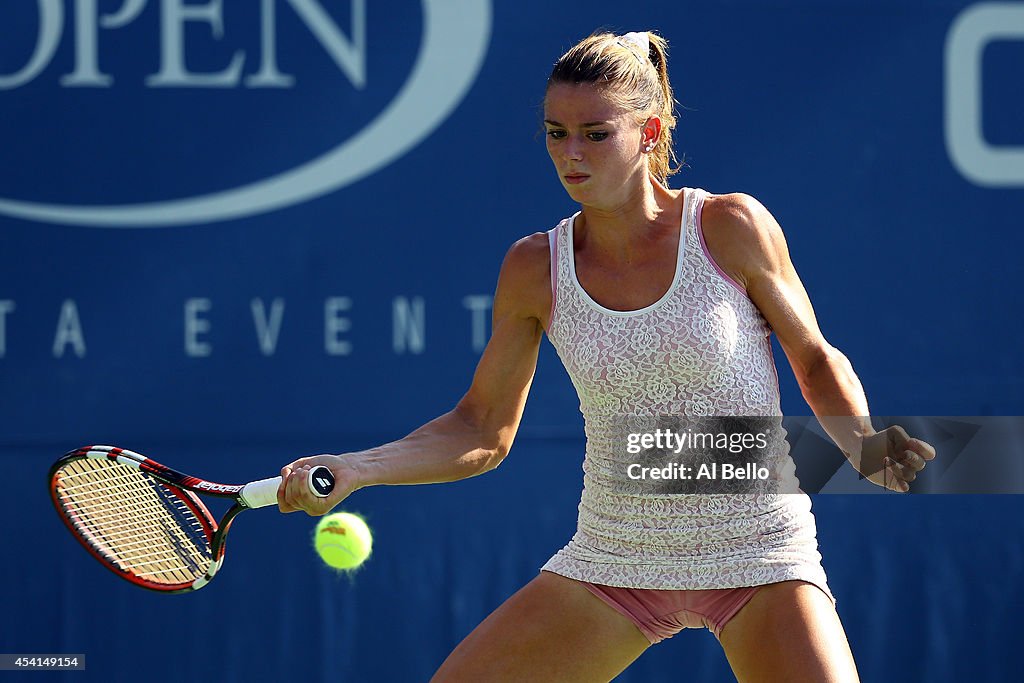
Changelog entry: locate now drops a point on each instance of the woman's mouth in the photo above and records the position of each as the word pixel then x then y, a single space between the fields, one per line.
pixel 576 178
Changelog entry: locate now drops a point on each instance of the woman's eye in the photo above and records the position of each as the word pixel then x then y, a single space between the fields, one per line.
pixel 594 136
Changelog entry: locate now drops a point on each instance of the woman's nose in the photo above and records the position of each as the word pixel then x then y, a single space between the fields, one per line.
pixel 573 150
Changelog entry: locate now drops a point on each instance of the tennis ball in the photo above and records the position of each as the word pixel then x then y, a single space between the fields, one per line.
pixel 343 540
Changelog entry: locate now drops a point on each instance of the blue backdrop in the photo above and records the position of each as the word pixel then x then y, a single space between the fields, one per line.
pixel 235 235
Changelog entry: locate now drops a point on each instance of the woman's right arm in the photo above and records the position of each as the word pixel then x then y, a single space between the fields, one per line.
pixel 477 434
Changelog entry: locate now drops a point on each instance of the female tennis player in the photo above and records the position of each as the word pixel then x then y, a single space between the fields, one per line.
pixel 659 302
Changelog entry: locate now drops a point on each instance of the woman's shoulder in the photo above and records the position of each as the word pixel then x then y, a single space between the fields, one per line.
pixel 526 275
pixel 739 232
pixel 735 211
pixel 530 254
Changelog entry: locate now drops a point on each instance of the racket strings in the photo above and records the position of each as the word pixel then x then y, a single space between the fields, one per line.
pixel 136 532
pixel 135 522
pixel 93 496
pixel 89 493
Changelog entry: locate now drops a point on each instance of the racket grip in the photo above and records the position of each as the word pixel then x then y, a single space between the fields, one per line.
pixel 321 481
pixel 263 493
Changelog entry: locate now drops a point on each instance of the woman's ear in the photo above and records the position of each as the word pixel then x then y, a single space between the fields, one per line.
pixel 651 133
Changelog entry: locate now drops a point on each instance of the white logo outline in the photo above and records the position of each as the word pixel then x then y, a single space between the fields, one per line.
pixel 456 34
pixel 977 160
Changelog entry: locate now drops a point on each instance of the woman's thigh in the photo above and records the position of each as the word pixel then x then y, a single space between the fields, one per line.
pixel 789 631
pixel 553 629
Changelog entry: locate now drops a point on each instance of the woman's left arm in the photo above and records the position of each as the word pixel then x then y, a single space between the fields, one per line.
pixel 747 242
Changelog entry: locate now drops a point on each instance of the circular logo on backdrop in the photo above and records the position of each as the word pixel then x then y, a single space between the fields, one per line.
pixel 454 43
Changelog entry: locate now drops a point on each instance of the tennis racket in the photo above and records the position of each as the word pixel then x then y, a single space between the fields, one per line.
pixel 144 522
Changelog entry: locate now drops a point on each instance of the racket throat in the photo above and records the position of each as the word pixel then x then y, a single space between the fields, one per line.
pixel 210 573
pixel 217 547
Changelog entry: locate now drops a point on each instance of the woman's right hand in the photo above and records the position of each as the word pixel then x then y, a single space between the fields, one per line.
pixel 294 493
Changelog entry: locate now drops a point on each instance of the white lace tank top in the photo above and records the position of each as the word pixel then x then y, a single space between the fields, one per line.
pixel 701 349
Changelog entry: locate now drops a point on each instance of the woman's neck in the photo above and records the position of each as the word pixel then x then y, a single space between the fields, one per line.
pixel 618 231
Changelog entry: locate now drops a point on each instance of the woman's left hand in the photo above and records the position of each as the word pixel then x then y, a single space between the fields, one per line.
pixel 891 458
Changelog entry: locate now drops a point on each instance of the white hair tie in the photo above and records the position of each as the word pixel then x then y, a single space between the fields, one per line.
pixel 639 43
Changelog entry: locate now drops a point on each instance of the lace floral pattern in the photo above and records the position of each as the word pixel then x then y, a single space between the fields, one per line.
pixel 702 349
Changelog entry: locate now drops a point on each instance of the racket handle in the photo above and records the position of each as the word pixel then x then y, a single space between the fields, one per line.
pixel 263 493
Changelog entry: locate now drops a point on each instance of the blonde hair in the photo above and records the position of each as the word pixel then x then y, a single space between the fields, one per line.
pixel 635 81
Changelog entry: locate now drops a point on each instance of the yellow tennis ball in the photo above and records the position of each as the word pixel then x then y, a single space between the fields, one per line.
pixel 343 540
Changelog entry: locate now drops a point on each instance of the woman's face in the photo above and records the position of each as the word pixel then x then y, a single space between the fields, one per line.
pixel 596 145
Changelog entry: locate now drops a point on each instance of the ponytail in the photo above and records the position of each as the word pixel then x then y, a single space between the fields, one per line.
pixel 663 156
